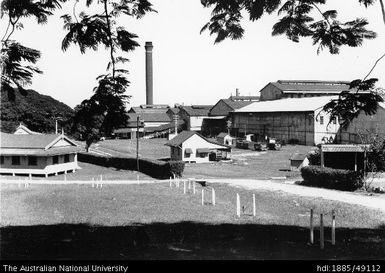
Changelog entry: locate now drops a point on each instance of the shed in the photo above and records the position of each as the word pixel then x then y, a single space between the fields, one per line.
pixel 191 146
pixel 298 160
pixel 227 139
pixel 344 156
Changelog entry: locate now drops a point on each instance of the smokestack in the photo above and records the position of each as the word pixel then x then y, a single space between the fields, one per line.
pixel 149 92
pixel 237 92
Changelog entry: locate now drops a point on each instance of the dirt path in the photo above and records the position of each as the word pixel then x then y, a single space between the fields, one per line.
pixel 375 202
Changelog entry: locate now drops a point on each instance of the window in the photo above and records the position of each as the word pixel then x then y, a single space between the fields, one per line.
pixel 15 160
pixel 32 160
pixel 55 159
pixel 1 160
pixel 66 158
pixel 321 120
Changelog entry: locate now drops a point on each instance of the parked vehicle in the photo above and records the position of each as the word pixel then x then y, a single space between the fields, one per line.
pixel 260 146
pixel 274 144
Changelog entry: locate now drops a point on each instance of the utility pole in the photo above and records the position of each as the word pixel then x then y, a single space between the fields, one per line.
pixel 137 143
pixel 55 126
pixel 176 124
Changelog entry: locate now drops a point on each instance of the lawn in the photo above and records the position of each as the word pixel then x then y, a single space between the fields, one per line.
pixel 153 221
pixel 245 163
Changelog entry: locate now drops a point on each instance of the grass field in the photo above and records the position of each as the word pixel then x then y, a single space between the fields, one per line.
pixel 245 163
pixel 153 221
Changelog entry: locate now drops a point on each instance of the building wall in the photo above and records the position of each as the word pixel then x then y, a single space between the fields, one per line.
pixel 44 165
pixel 195 142
pixel 221 109
pixel 363 125
pixel 270 92
pixel 303 127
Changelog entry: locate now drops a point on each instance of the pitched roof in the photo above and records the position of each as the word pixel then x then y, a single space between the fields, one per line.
pixel 237 104
pixel 197 110
pixel 149 109
pixel 23 127
pixel 174 110
pixel 180 138
pixel 244 98
pixel 149 117
pixel 222 134
pixel 183 136
pixel 312 86
pixel 287 105
pixel 24 144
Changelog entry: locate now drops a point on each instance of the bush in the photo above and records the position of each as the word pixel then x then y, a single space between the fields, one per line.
pixel 315 157
pixel 154 168
pixel 329 178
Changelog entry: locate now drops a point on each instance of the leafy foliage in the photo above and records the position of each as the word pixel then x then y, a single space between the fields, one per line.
pixel 38 112
pixel 105 110
pixel 297 21
pixel 350 103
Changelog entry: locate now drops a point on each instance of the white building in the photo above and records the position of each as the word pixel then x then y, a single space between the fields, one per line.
pixel 299 120
pixel 190 146
pixel 37 154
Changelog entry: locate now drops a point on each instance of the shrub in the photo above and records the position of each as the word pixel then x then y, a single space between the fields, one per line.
pixel 315 157
pixel 329 178
pixel 154 168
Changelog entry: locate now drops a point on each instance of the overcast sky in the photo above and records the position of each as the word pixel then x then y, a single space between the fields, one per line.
pixel 188 67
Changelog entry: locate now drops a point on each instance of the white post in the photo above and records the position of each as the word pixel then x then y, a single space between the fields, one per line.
pixel 203 197
pixel 170 182
pixel 333 228
pixel 194 187
pixel 184 187
pixel 30 176
pixel 137 178
pixel 238 206
pixel 311 227
pixel 65 178
pixel 322 245
pixel 254 206
pixel 101 177
pixel 189 184
pixel 213 196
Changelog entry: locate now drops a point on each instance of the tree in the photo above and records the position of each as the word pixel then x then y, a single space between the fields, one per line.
pixel 299 21
pixel 14 75
pixel 105 110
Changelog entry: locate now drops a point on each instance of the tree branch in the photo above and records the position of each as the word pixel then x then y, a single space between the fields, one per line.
pixel 110 38
pixel 74 11
pixel 6 31
pixel 323 15
pixel 379 59
pixel 382 9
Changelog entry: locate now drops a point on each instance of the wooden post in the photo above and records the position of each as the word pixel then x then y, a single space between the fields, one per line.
pixel 194 187
pixel 184 187
pixel 137 178
pixel 30 176
pixel 333 228
pixel 65 178
pixel 101 177
pixel 238 206
pixel 322 158
pixel 254 206
pixel 213 196
pixel 189 184
pixel 322 245
pixel 311 227
pixel 355 161
pixel 203 197
pixel 170 182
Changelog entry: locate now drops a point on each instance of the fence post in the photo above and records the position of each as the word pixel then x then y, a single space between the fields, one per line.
pixel 184 187
pixel 213 196
pixel 254 206
pixel 203 196
pixel 322 245
pixel 311 227
pixel 189 184
pixel 170 182
pixel 333 228
pixel 238 206
pixel 194 187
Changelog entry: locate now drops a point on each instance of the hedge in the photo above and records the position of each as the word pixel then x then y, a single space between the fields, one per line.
pixel 329 178
pixel 154 168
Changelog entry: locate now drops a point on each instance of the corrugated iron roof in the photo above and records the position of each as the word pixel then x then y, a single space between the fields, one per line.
pixel 312 86
pixel 359 148
pixel 183 136
pixel 26 141
pixel 197 110
pixel 287 105
pixel 40 152
pixel 149 117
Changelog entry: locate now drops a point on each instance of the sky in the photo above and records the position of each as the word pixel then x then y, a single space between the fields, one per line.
pixel 188 67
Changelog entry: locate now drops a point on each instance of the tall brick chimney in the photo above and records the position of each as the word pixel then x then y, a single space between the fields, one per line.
pixel 149 90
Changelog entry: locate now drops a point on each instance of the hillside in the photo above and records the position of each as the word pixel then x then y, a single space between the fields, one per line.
pixel 38 112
